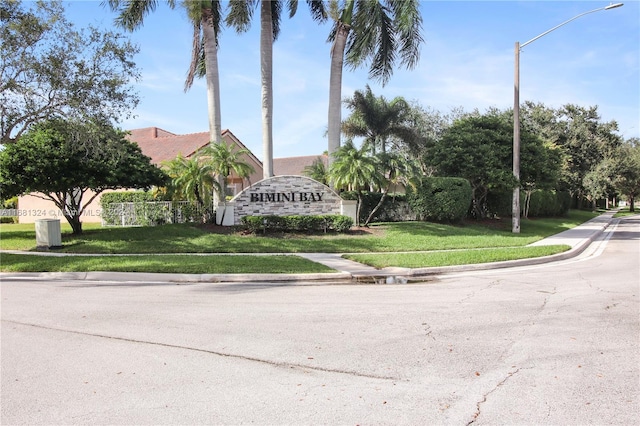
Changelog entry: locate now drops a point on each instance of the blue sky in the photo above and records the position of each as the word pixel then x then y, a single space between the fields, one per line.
pixel 467 61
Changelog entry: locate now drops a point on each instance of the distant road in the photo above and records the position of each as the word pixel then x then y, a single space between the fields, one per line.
pixel 551 344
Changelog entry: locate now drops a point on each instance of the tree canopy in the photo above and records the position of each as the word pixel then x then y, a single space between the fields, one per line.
pixel 49 69
pixel 62 161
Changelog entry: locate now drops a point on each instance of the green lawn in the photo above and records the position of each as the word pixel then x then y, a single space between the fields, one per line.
pixel 186 264
pixel 623 212
pixel 383 238
pixel 454 257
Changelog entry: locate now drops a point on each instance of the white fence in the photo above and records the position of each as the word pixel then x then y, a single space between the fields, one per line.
pixel 151 213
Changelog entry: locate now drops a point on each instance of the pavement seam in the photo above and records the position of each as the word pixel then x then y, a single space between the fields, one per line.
pixel 217 353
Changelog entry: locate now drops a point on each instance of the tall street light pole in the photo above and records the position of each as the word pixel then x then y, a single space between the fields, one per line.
pixel 515 205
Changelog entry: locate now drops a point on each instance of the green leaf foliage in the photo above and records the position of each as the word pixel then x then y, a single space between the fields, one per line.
pixel 52 69
pixel 63 160
pixel 297 223
pixel 441 199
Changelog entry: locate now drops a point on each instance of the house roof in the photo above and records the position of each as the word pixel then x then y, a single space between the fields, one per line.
pixel 161 145
pixel 294 166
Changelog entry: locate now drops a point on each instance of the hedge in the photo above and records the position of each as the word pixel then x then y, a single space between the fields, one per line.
pixel 297 223
pixel 542 203
pixel 440 199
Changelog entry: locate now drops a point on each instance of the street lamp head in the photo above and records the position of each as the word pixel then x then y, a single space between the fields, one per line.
pixel 613 6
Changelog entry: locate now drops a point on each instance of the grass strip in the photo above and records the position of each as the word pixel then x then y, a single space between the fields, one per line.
pixel 624 212
pixel 206 264
pixel 387 237
pixel 454 257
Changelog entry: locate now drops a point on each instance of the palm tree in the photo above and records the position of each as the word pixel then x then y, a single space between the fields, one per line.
pixel 353 169
pixel 317 171
pixel 223 160
pixel 398 169
pixel 192 179
pixel 369 31
pixel 239 17
pixel 226 160
pixel 206 17
pixel 378 120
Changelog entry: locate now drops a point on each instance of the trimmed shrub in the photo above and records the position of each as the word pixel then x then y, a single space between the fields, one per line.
pixel 125 197
pixel 441 199
pixel 297 223
pixel 542 203
pixel 549 203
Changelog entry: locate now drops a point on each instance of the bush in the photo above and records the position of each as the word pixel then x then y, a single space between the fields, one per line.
pixel 143 209
pixel 549 203
pixel 542 203
pixel 394 209
pixel 9 204
pixel 499 203
pixel 441 199
pixel 297 223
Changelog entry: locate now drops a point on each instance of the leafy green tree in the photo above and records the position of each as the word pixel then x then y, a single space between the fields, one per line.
pixel 428 126
pixel 583 142
pixel 374 32
pixel 626 171
pixel 49 69
pixel 440 199
pixel 597 183
pixel 479 148
pixel 378 121
pixel 239 17
pixel 586 142
pixel 62 161
pixel 353 169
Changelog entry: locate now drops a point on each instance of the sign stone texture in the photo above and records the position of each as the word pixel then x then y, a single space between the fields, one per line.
pixel 284 196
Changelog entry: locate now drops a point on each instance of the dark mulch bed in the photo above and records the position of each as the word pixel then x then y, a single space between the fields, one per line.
pixel 239 230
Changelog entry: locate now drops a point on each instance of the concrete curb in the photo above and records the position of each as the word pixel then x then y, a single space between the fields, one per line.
pixel 579 238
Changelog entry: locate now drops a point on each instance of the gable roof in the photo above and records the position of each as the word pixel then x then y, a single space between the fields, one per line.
pixel 294 166
pixel 161 145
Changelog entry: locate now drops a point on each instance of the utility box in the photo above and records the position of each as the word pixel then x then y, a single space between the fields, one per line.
pixel 48 234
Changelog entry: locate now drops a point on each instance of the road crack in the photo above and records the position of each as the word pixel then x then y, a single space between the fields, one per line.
pixel 486 395
pixel 218 353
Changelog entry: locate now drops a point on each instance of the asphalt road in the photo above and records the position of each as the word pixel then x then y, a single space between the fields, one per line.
pixel 548 344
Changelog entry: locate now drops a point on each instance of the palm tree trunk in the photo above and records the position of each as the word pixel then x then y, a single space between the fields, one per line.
pixel 377 207
pixel 213 80
pixel 266 68
pixel 213 90
pixel 335 89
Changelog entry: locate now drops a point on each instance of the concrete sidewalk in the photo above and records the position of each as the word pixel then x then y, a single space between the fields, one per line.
pixel 579 238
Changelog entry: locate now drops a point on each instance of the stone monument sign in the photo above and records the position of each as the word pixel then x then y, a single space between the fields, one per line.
pixel 284 196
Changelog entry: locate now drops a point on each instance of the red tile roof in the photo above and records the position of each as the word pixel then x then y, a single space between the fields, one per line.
pixel 161 145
